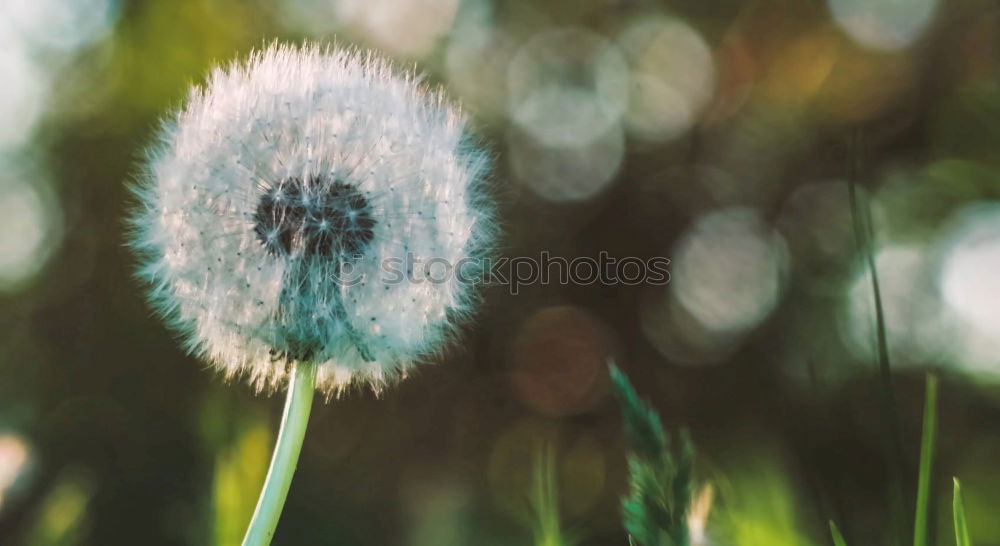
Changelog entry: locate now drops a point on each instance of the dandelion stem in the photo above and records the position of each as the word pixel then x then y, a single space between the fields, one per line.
pixel 285 458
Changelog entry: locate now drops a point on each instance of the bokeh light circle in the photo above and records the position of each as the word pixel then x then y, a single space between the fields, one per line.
pixel 677 336
pixel 883 24
pixel 915 332
pixel 970 272
pixel 15 461
pixel 410 29
pixel 728 270
pixel 567 87
pixel 405 28
pixel 559 359
pixel 22 96
pixel 673 76
pixel 29 230
pixel 476 60
pixel 61 24
pixel 566 173
pixel 969 285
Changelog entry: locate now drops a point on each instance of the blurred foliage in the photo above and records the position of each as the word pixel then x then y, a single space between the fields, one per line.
pixel 240 467
pixel 62 516
pixel 760 504
pixel 544 501
pixel 660 475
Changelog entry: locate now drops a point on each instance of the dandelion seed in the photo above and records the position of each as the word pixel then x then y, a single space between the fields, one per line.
pixel 274 200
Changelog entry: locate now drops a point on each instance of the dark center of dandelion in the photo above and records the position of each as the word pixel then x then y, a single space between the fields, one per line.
pixel 314 217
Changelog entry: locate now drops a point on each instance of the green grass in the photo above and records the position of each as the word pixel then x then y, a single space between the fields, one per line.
pixel 921 528
pixel 660 474
pixel 862 222
pixel 958 511
pixel 920 525
pixel 547 527
pixel 838 539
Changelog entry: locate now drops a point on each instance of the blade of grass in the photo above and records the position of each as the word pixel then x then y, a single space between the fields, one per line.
pixel 544 500
pixel 838 539
pixel 861 217
pixel 920 525
pixel 961 525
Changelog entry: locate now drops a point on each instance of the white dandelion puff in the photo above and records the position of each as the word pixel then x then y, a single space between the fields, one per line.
pixel 287 176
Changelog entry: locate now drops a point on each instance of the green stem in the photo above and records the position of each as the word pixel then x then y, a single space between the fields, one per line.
pixel 958 509
pixel 838 539
pixel 285 458
pixel 920 529
pixel 863 228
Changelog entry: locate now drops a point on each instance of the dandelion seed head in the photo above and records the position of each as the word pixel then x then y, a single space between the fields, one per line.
pixel 276 195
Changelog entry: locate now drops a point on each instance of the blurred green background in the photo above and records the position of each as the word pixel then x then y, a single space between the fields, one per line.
pixel 716 134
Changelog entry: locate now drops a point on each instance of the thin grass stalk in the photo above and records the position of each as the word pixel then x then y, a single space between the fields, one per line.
pixel 958 513
pixel 920 520
pixel 838 539
pixel 892 437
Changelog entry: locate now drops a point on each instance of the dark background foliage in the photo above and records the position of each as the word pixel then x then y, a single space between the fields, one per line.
pixel 715 134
